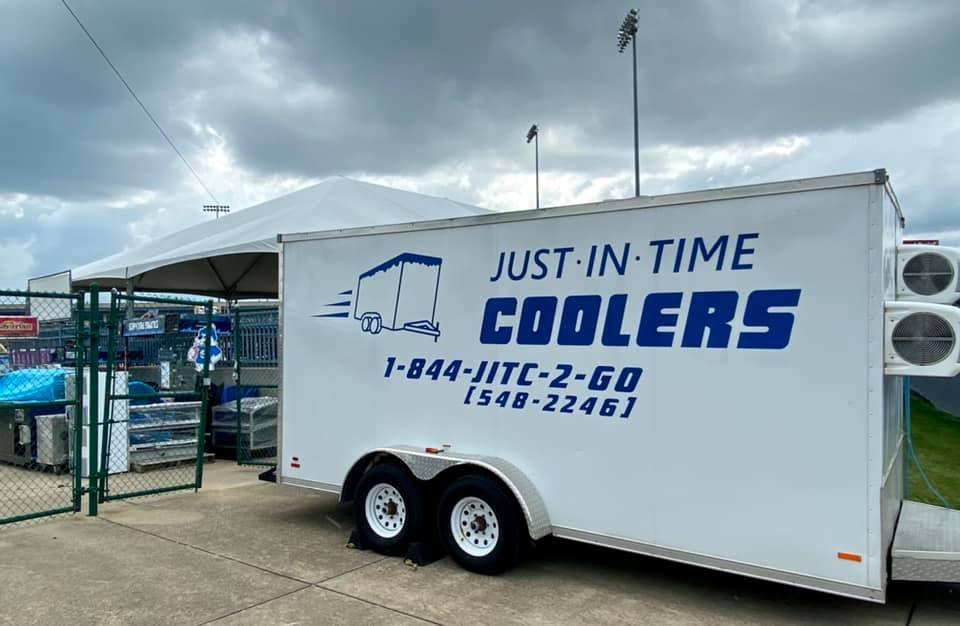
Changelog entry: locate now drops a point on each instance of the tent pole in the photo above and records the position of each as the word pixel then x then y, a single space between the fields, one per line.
pixel 130 307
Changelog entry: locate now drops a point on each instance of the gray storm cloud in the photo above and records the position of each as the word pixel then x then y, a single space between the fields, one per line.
pixel 265 96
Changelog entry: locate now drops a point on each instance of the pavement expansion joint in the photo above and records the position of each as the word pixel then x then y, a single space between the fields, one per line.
pixel 306 584
pixel 377 604
pixel 349 571
pixel 210 552
pixel 253 606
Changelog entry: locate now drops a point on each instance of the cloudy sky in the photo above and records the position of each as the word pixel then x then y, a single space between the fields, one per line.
pixel 436 96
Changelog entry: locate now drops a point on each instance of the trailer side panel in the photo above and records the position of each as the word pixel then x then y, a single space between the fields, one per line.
pixel 685 379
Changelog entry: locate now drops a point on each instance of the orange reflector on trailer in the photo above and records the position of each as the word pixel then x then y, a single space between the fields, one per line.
pixel 433 450
pixel 847 556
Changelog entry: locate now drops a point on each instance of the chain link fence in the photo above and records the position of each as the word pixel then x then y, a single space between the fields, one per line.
pixel 41 391
pixel 245 423
pixel 155 409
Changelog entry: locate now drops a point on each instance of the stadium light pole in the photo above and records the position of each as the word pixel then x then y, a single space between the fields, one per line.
pixel 534 135
pixel 216 209
pixel 627 36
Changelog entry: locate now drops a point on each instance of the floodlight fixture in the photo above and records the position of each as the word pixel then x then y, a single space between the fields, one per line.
pixel 627 36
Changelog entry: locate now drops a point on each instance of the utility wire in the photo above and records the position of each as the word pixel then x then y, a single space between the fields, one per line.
pixel 142 105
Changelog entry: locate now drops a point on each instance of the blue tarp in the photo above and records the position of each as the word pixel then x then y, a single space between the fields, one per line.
pixel 33 385
pixel 137 388
pixel 229 393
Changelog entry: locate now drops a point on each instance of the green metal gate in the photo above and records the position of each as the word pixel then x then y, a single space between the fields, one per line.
pixel 41 404
pixel 154 413
pixel 257 375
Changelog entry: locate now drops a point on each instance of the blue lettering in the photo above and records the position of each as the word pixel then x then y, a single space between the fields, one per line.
pixel 508 367
pixel 613 322
pixel 678 260
pixel 709 321
pixel 578 321
pixel 653 319
pixel 698 245
pixel 517 275
pixel 524 379
pixel 741 251
pixel 779 325
pixel 499 273
pixel 538 261
pixel 536 320
pixel 659 243
pixel 710 309
pixel 489 331
pixel 609 254
pixel 563 256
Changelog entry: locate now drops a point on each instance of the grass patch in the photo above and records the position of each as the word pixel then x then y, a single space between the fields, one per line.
pixel 936 440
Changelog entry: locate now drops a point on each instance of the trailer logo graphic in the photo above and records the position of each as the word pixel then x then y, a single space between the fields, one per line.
pixel 399 294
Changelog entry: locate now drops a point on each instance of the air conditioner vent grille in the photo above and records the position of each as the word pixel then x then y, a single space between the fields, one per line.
pixel 928 274
pixel 923 339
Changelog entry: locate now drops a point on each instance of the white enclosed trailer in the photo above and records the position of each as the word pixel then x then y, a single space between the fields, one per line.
pixel 711 377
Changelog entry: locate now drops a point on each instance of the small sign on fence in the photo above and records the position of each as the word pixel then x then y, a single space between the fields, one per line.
pixel 157 325
pixel 19 326
pixel 135 328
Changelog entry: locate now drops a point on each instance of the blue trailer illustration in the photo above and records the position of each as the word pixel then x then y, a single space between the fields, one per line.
pixel 399 294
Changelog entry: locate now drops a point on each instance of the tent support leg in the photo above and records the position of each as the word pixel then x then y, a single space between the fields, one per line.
pixel 130 305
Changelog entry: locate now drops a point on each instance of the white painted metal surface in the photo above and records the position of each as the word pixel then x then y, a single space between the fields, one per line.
pixel 719 401
pixel 118 445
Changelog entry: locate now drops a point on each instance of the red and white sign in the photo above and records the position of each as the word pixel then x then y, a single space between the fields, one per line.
pixel 19 326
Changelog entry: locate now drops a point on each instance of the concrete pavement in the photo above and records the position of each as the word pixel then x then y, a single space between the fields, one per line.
pixel 244 552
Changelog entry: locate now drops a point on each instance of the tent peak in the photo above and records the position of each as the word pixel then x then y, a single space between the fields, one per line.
pixel 237 254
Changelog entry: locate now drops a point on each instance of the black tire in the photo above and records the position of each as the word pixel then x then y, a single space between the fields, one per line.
pixel 511 525
pixel 407 510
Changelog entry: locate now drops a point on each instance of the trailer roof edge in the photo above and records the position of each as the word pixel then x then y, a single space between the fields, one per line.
pixel 857 179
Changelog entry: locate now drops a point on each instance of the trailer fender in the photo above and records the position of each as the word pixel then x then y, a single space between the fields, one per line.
pixel 427 466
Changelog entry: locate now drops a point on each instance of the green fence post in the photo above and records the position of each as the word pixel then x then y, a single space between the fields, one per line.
pixel 78 361
pixel 905 449
pixel 92 412
pixel 237 341
pixel 205 395
pixel 108 393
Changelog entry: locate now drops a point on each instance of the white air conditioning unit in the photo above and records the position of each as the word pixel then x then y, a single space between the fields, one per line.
pixel 928 274
pixel 921 339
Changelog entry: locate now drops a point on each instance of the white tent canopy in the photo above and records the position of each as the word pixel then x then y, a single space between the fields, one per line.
pixel 236 256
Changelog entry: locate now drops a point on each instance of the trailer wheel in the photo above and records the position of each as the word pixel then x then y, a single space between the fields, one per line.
pixel 365 323
pixel 481 524
pixel 376 325
pixel 388 508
